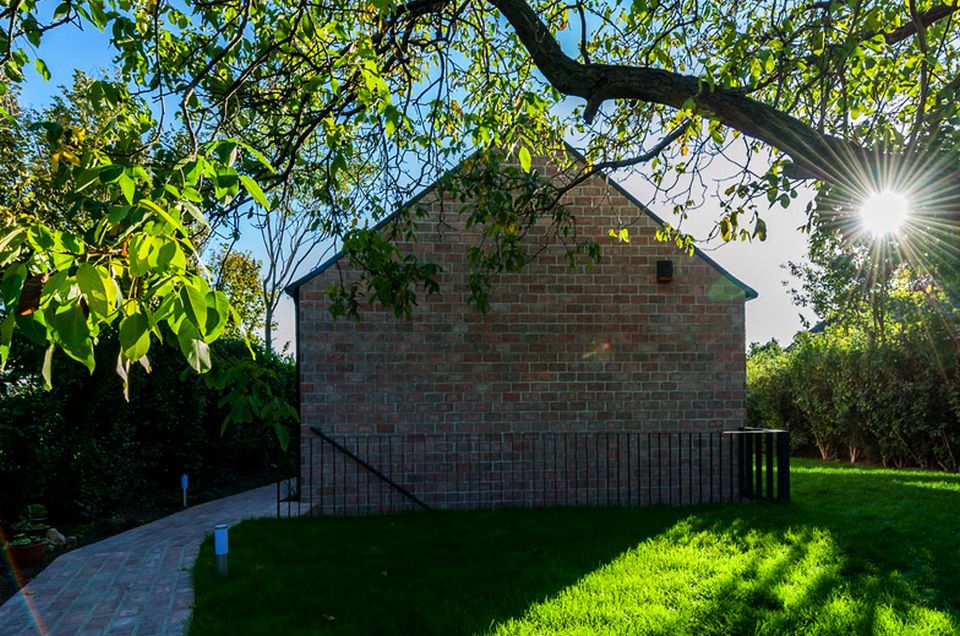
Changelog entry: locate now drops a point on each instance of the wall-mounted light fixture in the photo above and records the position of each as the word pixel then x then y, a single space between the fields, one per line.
pixel 664 271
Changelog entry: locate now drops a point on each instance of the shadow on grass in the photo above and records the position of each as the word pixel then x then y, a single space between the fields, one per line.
pixel 430 573
pixel 860 551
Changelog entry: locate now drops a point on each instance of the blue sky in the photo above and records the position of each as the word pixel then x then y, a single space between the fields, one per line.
pixel 772 315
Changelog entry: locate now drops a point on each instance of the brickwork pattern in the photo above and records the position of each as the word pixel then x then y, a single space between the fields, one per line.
pixel 136 583
pixel 584 349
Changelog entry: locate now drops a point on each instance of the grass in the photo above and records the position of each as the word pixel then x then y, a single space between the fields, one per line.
pixel 859 551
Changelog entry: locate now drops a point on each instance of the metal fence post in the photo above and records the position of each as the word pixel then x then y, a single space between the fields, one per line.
pixel 758 460
pixel 746 467
pixel 783 466
pixel 769 452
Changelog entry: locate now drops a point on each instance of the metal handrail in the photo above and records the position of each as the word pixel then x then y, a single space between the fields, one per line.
pixel 359 460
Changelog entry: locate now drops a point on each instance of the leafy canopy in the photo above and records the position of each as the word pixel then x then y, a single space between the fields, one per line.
pixel 220 105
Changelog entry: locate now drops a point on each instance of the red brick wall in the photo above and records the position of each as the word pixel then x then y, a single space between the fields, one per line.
pixel 600 349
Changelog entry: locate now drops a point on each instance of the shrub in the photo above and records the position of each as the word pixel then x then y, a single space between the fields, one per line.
pixel 893 400
pixel 768 401
pixel 87 453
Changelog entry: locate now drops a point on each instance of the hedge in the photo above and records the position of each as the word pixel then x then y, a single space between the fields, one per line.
pixel 843 394
pixel 87 453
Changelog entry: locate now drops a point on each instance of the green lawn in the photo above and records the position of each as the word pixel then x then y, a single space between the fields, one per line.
pixel 859 551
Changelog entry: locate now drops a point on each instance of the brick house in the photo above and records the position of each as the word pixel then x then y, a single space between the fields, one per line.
pixel 579 386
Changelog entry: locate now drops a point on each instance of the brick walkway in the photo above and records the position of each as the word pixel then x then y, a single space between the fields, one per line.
pixel 137 582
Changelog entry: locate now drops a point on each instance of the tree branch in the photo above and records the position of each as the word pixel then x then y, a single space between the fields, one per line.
pixel 919 22
pixel 815 155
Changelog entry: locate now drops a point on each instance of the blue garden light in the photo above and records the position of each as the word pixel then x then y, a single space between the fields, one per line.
pixel 184 484
pixel 221 546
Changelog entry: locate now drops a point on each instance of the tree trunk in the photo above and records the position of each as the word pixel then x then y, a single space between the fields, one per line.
pixel 268 329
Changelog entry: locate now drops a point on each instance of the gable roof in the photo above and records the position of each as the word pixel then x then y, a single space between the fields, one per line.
pixel 750 293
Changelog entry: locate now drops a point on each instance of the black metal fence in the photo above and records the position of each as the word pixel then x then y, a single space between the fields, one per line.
pixel 371 474
pixel 764 463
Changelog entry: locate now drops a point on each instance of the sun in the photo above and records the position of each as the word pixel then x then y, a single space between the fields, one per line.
pixel 884 212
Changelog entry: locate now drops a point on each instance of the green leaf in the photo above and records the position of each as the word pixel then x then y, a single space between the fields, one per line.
pixel 41 67
pixel 195 303
pixel 141 251
pixel 86 179
pixel 524 156
pixel 725 228
pixel 283 434
pixel 118 213
pixel 45 239
pixel 13 279
pixel 166 308
pixel 170 256
pixel 218 311
pixel 69 326
pixel 760 230
pixel 110 174
pixel 226 184
pixel 12 238
pixel 33 326
pixel 254 190
pixel 194 349
pixel 135 336
pixel 62 11
pixel 226 152
pixel 94 290
pixel 128 186
pixel 817 43
pixel 46 370
pixel 163 214
pixel 6 335
pixel 259 156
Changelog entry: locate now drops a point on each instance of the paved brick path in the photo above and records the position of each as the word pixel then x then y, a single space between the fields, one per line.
pixel 137 582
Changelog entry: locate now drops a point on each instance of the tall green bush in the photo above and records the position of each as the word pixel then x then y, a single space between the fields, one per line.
pixel 768 401
pixel 844 392
pixel 86 452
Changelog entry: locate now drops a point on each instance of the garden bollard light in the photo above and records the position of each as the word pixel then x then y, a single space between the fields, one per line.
pixel 184 482
pixel 220 548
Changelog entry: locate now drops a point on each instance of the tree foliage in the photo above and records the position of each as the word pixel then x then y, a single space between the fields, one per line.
pixel 354 106
pixel 841 394
pixel 879 379
pixel 238 275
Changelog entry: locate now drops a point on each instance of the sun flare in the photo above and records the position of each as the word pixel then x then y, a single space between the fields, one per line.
pixel 884 212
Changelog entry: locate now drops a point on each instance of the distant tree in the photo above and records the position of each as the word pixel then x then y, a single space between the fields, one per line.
pixel 869 283
pixel 844 280
pixel 238 275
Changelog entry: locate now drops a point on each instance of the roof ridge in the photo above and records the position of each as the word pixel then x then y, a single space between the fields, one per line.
pixel 750 292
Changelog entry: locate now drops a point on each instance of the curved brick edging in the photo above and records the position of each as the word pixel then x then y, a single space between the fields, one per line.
pixel 137 582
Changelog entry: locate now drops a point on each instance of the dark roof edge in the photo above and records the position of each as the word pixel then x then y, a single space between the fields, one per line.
pixel 291 289
pixel 750 292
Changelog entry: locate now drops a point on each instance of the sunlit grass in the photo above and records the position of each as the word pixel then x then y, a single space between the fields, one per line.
pixel 860 551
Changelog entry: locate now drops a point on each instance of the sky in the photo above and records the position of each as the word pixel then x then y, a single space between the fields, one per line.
pixel 758 264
